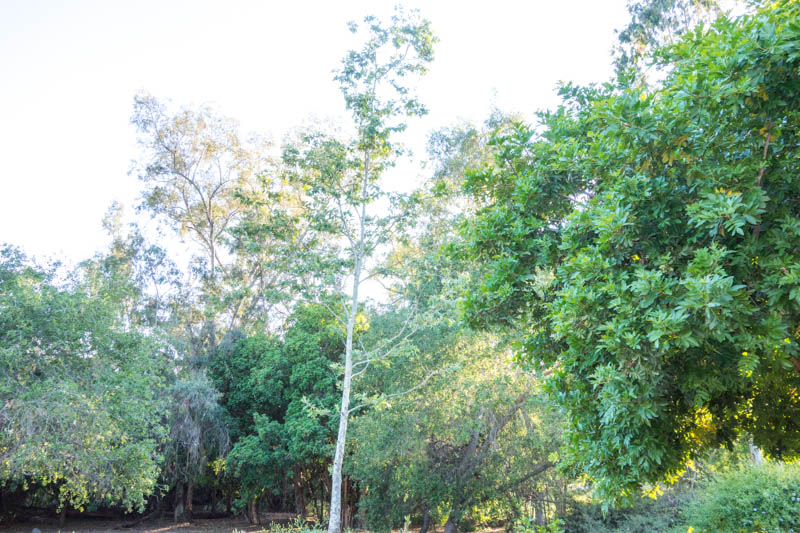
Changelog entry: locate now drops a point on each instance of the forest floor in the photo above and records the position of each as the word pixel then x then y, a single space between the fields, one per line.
pixel 217 525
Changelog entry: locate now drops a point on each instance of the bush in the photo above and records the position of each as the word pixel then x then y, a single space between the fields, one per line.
pixel 644 515
pixel 753 499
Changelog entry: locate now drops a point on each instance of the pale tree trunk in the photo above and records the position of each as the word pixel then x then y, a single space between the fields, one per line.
pixel 212 333
pixel 755 453
pixel 335 521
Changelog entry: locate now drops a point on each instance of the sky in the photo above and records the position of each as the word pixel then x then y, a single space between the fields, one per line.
pixel 69 71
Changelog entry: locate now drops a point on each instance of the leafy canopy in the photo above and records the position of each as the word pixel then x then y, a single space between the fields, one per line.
pixel 80 394
pixel 647 244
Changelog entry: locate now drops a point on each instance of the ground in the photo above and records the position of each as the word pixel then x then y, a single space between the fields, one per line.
pixel 219 525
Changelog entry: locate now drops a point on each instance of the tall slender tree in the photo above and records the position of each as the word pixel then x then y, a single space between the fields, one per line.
pixel 344 178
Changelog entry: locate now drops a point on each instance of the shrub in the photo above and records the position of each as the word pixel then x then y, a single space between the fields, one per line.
pixel 644 515
pixel 753 499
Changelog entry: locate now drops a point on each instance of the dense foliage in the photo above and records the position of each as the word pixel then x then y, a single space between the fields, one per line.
pixel 646 244
pixel 589 306
pixel 752 499
pixel 81 393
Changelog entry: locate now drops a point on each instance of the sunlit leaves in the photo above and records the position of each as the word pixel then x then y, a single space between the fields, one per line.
pixel 674 253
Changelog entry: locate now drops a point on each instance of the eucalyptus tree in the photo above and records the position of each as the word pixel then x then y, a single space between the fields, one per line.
pixel 194 161
pixel 142 275
pixel 194 167
pixel 342 179
pixel 654 24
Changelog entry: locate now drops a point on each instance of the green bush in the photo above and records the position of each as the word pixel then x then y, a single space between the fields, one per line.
pixel 527 525
pixel 643 515
pixel 753 499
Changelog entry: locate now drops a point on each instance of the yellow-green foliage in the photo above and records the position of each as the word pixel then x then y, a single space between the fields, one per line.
pixel 752 499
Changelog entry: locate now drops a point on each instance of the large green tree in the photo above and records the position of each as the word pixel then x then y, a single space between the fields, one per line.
pixel 282 396
pixel 645 243
pixel 81 392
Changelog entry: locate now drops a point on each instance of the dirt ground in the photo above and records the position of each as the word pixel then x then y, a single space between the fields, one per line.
pixel 219 525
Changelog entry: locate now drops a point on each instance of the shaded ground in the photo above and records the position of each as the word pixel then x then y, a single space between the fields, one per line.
pixel 218 525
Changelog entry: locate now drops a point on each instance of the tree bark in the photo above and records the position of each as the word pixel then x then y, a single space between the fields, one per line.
pixel 187 507
pixel 345 504
pixel 335 520
pixel 253 511
pixel 538 507
pixel 451 526
pixel 755 453
pixel 62 516
pixel 426 520
pixel 299 493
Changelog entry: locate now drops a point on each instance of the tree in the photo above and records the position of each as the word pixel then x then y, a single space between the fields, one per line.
pixel 198 435
pixel 645 244
pixel 342 179
pixel 655 24
pixel 81 393
pixel 282 395
pixel 477 432
pixel 196 160
pixel 144 279
pixel 195 167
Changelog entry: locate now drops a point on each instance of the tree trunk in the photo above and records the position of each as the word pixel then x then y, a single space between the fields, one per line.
pixel 254 511
pixel 213 500
pixel 755 454
pixel 62 516
pixel 451 526
pixel 161 507
pixel 299 493
pixel 187 507
pixel 426 520
pixel 335 520
pixel 538 504
pixel 179 515
pixel 228 502
pixel 346 504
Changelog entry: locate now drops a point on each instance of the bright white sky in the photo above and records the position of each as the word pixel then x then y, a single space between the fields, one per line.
pixel 69 70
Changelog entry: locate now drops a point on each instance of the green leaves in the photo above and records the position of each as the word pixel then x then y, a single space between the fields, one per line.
pixel 82 395
pixel 669 219
pixel 371 79
pixel 726 212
